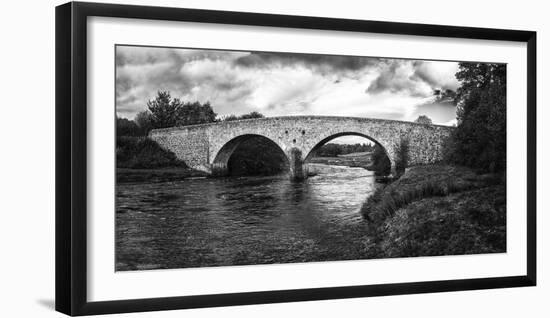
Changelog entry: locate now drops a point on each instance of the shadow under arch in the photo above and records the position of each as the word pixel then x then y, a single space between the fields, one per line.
pixel 321 143
pixel 250 154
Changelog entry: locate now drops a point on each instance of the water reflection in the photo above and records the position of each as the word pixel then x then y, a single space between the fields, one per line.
pixel 246 220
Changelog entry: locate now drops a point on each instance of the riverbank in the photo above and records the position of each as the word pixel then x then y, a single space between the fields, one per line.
pixel 125 175
pixel 437 210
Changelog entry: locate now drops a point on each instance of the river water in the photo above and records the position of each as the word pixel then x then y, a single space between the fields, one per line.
pixel 242 220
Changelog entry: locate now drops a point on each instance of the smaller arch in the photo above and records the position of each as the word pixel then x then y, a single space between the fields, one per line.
pixel 221 165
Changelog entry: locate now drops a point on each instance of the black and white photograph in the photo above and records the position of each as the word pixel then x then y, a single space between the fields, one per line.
pixel 228 158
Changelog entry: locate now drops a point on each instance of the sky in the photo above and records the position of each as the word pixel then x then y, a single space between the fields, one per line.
pixel 283 84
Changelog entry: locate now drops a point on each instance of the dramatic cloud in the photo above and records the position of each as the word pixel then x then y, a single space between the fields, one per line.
pixel 278 84
pixel 415 78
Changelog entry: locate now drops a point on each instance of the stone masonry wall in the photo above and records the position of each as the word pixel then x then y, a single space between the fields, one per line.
pixel 203 145
pixel 189 145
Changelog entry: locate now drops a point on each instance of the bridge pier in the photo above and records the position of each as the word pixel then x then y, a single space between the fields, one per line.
pixel 297 169
pixel 219 169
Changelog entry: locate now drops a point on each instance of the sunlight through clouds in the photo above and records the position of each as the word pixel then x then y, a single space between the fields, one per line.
pixel 279 84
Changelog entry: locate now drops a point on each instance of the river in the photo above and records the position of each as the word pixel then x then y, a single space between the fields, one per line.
pixel 242 220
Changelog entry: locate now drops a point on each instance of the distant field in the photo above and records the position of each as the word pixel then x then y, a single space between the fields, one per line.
pixel 357 154
pixel 358 159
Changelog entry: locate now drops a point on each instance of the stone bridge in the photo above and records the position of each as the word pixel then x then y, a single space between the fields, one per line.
pixel 208 147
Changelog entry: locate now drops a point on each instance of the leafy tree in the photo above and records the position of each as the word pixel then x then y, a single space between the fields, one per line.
pixel 169 112
pixel 329 150
pixel 195 113
pixel 402 155
pixel 380 162
pixel 125 127
pixel 145 122
pixel 164 110
pixel 423 119
pixel 480 137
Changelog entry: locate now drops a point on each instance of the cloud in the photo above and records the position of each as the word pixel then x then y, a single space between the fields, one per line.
pixel 442 111
pixel 416 78
pixel 278 84
pixel 323 64
pixel 439 75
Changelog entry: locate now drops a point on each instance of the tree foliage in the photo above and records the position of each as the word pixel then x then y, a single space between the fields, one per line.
pixel 479 140
pixel 380 162
pixel 125 127
pixel 402 155
pixel 166 111
pixel 423 119
pixel 145 122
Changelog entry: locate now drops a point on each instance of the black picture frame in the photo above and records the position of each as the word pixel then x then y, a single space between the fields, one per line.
pixel 71 157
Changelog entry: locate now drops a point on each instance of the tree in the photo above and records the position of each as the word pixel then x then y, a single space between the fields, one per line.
pixel 125 127
pixel 168 112
pixel 480 137
pixel 144 120
pixel 380 162
pixel 402 155
pixel 329 150
pixel 164 110
pixel 423 119
pixel 196 113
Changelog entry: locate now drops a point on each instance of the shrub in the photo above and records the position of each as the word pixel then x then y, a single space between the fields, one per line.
pixel 380 162
pixel 143 153
pixel 125 127
pixel 402 155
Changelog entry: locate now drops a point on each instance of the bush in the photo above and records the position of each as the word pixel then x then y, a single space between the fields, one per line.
pixel 402 152
pixel 143 153
pixel 125 127
pixel 380 162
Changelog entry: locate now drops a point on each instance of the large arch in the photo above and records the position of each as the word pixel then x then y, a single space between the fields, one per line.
pixel 220 164
pixel 312 151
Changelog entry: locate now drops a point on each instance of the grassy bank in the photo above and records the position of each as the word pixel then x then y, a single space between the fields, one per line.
pixel 437 210
pixel 140 159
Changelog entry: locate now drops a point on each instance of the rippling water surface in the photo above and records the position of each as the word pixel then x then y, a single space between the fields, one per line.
pixel 237 221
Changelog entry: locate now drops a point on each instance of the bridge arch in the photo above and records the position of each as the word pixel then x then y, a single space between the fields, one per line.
pixel 388 151
pixel 221 164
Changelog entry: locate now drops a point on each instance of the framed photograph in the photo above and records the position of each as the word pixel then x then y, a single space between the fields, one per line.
pixel 208 158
